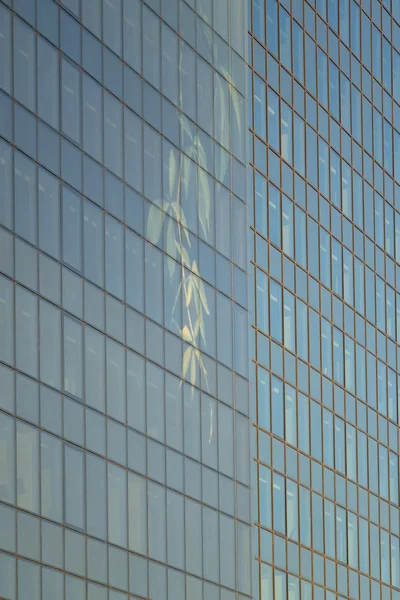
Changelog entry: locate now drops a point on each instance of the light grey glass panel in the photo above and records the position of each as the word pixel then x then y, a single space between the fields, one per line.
pixel 51 477
pixel 224 330
pixel 136 391
pixel 28 467
pixel 134 270
pixel 155 402
pixel 75 589
pixel 175 530
pixel 210 544
pixel 152 166
pixel 97 560
pixel 222 112
pixel 48 83
pixel 154 283
pixel 8 524
pixel 93 231
pixel 97 592
pixel 73 369
pixel 114 257
pixel 113 134
pixel 49 213
pixel 95 369
pixel 7 465
pixel 137 513
pixel 223 221
pixel 242 449
pixel 26 309
pixel 192 422
pixel 5 49
pixel 116 380
pixel 133 150
pixel 151 47
pixel 204 96
pixel 71 120
pixel 74 487
pixel 156 521
pixel 132 33
pixel 92 116
pixel 75 552
pixel 225 440
pixel 117 505
pixel 6 188
pixel 187 80
pixel 6 320
pixel 52 584
pixel 174 413
pixel 50 344
pixel 8 577
pixel 28 581
pixel 170 62
pixel 96 496
pixel 72 228
pixel 91 15
pixel 25 181
pixel 112 25
pixel 209 430
pixel 24 64
pixel 193 538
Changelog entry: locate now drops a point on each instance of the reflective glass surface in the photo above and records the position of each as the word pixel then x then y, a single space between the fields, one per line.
pixel 324 183
pixel 124 372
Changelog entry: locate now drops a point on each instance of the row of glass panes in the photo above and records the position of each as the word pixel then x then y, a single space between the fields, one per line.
pixel 334 531
pixel 316 431
pixel 321 479
pixel 291 44
pixel 112 378
pixel 222 322
pixel 87 428
pixel 216 217
pixel 82 98
pixel 68 485
pixel 346 581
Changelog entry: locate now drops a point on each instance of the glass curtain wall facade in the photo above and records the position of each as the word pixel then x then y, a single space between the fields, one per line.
pixel 124 393
pixel 325 245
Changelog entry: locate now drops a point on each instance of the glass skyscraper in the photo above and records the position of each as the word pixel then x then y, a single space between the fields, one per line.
pixel 199 299
pixel 324 176
pixel 124 394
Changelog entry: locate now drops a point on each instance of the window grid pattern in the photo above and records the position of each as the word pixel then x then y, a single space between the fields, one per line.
pixel 124 411
pixel 324 125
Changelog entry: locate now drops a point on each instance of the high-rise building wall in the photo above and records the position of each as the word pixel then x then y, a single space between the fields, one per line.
pixel 324 86
pixel 124 396
pixel 146 234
